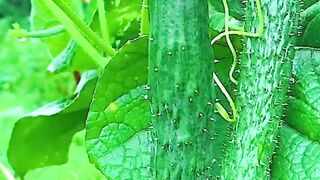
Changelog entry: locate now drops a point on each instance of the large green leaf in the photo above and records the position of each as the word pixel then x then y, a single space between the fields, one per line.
pixel 78 166
pixel 304 103
pixel 22 86
pixel 121 147
pixel 43 138
pixel 127 70
pixel 297 157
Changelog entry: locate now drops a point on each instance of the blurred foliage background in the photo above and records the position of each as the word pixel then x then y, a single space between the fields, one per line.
pixel 25 85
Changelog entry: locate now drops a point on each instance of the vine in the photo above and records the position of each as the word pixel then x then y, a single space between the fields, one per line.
pixel 227 33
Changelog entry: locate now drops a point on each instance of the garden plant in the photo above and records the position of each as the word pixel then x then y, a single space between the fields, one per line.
pixel 168 89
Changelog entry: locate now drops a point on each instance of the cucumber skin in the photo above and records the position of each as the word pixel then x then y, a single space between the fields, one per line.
pixel 181 90
pixel 266 66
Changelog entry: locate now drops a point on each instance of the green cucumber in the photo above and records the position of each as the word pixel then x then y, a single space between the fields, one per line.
pixel 266 66
pixel 181 90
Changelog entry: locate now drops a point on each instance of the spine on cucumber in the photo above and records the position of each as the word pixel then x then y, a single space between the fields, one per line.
pixel 265 71
pixel 181 91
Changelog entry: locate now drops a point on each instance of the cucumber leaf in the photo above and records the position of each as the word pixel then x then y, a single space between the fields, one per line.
pixel 310 18
pixel 297 157
pixel 304 102
pixel 122 147
pixel 310 36
pixel 78 166
pixel 111 117
pixel 43 137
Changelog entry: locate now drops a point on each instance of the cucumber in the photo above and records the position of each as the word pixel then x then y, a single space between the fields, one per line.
pixel 265 67
pixel 181 90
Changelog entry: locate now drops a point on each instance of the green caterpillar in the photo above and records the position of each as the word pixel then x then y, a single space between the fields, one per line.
pixel 181 90
pixel 265 66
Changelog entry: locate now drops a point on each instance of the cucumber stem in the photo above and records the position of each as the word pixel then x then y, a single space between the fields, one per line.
pixel 76 34
pixel 144 24
pixel 103 21
pixel 86 30
pixel 22 33
pixel 241 33
pixel 220 108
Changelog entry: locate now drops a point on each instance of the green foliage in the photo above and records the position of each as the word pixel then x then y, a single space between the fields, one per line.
pixel 122 21
pixel 56 123
pixel 121 148
pixel 236 7
pixel 119 137
pixel 297 157
pixel 119 77
pixel 42 18
pixel 77 167
pixel 304 103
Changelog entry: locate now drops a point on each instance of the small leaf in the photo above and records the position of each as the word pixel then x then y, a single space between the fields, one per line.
pixel 43 138
pixel 121 145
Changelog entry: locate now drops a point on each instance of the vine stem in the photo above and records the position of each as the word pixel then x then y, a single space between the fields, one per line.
pixel 234 54
pixel 103 21
pixel 144 26
pixel 249 34
pixel 72 29
pixel 226 33
pixel 219 107
pixel 6 172
pixel 84 28
pixel 22 33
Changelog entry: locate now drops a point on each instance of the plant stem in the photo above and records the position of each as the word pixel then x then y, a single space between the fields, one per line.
pixel 6 172
pixel 84 28
pixel 219 107
pixel 144 24
pixel 103 21
pixel 22 33
pixel 72 29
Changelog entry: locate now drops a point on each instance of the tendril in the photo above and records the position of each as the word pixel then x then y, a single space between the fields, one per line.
pixel 227 33
pixel 220 108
